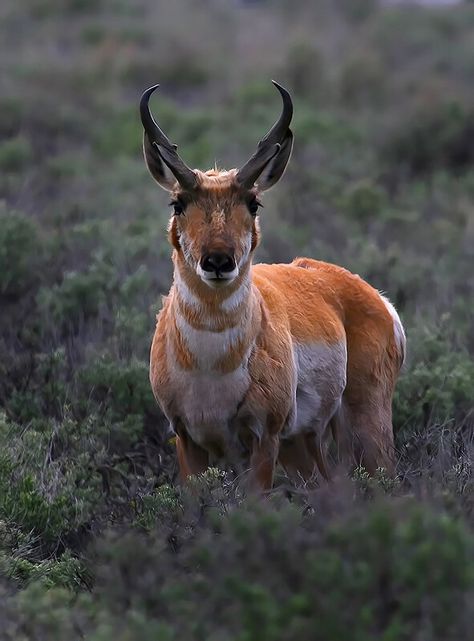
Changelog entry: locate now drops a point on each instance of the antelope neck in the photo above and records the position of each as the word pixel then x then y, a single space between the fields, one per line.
pixel 216 327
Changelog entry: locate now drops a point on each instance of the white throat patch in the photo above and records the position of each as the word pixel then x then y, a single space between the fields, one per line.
pixel 207 346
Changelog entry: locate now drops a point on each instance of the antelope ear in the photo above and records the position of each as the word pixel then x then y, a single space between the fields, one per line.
pixel 275 168
pixel 156 166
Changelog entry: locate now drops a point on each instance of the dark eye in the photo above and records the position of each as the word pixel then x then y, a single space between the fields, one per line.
pixel 253 206
pixel 178 207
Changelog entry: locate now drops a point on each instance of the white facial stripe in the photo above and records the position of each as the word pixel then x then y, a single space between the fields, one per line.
pixel 207 346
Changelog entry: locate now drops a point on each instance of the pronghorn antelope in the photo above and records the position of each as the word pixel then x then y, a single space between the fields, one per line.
pixel 260 363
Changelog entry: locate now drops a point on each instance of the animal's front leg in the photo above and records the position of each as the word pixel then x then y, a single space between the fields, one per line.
pixel 296 460
pixel 262 462
pixel 192 459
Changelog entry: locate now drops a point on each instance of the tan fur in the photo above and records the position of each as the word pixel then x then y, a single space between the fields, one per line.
pixel 227 360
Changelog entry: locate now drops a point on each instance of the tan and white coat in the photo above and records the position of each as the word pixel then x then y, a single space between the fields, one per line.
pixel 262 365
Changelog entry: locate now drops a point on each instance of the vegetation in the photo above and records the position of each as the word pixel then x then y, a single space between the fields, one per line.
pixel 97 541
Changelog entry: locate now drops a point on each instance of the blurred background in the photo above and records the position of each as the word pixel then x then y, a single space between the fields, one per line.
pixel 381 182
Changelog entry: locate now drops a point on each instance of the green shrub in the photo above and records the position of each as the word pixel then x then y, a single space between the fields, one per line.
pixel 66 571
pixel 387 573
pixel 45 392
pixel 20 253
pixel 306 70
pixel 120 135
pixel 81 295
pixel 438 384
pixel 11 115
pixel 362 80
pixel 435 137
pixel 122 389
pixel 15 154
pixel 163 503
pixel 364 200
pixel 36 493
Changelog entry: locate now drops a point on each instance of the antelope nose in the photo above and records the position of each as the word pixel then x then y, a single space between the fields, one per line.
pixel 217 262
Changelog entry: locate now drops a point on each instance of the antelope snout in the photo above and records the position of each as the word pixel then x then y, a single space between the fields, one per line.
pixel 217 262
pixel 217 266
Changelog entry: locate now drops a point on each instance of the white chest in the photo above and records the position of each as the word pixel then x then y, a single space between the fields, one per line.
pixel 209 398
pixel 209 401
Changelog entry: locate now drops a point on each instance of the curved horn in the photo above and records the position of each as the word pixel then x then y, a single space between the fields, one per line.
pixel 167 151
pixel 269 146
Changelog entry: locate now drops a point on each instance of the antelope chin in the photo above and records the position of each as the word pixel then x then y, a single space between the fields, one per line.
pixel 218 282
pixel 215 280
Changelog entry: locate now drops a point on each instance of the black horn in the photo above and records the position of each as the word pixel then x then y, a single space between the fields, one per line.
pixel 167 151
pixel 269 146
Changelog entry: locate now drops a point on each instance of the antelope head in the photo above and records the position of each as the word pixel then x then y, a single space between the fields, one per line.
pixel 214 225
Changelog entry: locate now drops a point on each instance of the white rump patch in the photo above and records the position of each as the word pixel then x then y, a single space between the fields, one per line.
pixel 399 332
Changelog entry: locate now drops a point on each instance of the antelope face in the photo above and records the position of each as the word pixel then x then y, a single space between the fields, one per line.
pixel 213 226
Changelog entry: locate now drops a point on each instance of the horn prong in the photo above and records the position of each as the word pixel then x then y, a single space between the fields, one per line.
pixel 167 150
pixel 267 147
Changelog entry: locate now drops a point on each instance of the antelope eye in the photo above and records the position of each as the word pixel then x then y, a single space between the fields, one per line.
pixel 178 207
pixel 253 206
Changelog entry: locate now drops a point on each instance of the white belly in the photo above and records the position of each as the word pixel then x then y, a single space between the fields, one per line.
pixel 321 381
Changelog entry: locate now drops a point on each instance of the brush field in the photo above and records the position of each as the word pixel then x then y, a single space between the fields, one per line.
pixel 97 541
